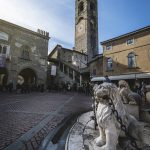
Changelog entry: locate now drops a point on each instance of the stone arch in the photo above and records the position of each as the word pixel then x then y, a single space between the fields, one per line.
pixel 80 19
pixel 29 75
pixel 3 76
pixel 1 49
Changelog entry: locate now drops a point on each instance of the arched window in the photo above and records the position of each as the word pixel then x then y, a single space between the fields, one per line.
pixel 0 49
pixel 131 60
pixel 81 7
pixel 80 19
pixel 4 49
pixel 109 63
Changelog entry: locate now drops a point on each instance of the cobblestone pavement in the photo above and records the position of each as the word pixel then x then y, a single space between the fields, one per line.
pixel 25 119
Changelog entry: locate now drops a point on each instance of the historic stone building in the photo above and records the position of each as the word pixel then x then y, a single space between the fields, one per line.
pixel 72 64
pixel 127 56
pixel 86 27
pixel 78 59
pixel 23 55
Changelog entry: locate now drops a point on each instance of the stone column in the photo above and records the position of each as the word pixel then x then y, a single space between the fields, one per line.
pixel 12 76
pixel 59 66
pixel 68 71
pixel 80 79
pixel 73 75
pixel 63 68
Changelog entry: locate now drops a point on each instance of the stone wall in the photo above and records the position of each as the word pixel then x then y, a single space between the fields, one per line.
pixel 28 49
pixel 96 67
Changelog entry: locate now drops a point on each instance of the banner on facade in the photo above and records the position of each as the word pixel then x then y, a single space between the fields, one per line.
pixel 53 70
pixel 2 61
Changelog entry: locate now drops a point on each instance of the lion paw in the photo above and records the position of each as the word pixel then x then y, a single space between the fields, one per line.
pixel 106 147
pixel 132 103
pixel 99 141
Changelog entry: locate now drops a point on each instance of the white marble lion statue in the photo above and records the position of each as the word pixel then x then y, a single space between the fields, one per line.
pixel 109 128
pixel 127 96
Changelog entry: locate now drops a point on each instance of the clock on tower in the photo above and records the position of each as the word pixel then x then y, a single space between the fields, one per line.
pixel 81 28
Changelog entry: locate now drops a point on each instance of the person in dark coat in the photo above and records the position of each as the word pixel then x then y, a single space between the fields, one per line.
pixel 107 79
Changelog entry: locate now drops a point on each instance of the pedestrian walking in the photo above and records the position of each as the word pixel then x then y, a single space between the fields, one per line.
pixel 87 89
pixel 137 87
pixel 143 92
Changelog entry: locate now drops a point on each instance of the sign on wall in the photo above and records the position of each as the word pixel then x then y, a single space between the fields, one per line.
pixel 53 70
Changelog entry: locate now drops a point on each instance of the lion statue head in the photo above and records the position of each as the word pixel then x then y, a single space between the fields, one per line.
pixel 123 83
pixel 109 127
pixel 106 91
pixel 127 96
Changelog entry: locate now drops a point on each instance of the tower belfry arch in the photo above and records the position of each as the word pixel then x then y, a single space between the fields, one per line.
pixel 86 27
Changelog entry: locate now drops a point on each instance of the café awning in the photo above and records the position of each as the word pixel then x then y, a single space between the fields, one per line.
pixel 123 77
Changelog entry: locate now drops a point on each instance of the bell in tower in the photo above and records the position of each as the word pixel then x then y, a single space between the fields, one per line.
pixel 86 27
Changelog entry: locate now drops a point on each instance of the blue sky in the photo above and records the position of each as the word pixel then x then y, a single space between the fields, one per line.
pixel 116 17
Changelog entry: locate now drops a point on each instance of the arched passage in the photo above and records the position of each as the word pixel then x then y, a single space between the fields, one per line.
pixel 3 76
pixel 28 75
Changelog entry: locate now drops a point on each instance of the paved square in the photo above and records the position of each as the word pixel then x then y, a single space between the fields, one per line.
pixel 32 116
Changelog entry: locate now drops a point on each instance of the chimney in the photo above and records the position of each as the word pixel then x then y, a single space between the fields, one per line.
pixel 44 33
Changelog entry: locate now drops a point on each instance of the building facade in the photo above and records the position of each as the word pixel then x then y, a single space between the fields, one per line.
pixel 72 64
pixel 127 56
pixel 96 66
pixel 69 64
pixel 86 27
pixel 23 55
pixel 73 57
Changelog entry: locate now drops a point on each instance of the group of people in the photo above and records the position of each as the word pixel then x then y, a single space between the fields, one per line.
pixel 28 88
pixel 140 88
pixel 61 87
pixel 23 88
pixel 75 87
pixel 8 87
pixel 84 88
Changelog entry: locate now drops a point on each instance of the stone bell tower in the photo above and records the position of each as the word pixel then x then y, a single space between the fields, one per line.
pixel 86 27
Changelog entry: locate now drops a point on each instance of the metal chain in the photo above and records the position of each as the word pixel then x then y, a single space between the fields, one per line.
pixel 119 119
pixel 94 107
pixel 123 127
